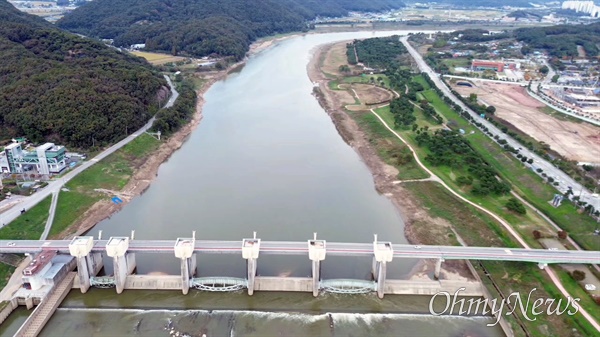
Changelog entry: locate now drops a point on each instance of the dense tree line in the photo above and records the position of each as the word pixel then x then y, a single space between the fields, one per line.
pixel 562 40
pixel 172 119
pixel 379 52
pixel 59 87
pixel 204 27
pixel 493 3
pixel 450 149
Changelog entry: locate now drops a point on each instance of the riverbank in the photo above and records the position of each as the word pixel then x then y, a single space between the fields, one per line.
pixel 385 176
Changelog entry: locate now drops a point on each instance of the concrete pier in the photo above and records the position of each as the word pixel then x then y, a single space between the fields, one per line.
pixel 88 263
pixel 383 254
pixel 250 250
pixel 123 262
pixel 316 253
pixel 438 268
pixel 184 250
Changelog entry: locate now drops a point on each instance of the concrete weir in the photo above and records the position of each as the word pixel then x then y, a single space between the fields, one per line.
pixel 185 249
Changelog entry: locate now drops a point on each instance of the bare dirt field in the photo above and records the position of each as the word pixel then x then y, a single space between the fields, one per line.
pixel 575 141
pixel 370 94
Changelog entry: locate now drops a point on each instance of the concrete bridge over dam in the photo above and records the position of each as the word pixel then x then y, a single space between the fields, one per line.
pixel 88 254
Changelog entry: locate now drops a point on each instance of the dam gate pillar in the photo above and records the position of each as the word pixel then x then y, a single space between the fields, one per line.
pixel 383 253
pixel 184 250
pixel 123 262
pixel 250 250
pixel 88 263
pixel 316 253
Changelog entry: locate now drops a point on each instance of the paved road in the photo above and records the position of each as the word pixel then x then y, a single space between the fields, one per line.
pixel 50 216
pixel 56 185
pixel 333 248
pixel 563 179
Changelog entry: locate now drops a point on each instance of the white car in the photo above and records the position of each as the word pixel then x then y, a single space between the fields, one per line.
pixel 552 248
pixel 417 247
pixel 590 287
pixel 11 244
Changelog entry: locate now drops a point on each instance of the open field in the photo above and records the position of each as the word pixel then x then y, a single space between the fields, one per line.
pixel 575 141
pixel 158 58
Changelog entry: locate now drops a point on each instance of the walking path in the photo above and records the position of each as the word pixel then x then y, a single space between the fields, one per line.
pixel 424 67
pixel 50 215
pixel 505 224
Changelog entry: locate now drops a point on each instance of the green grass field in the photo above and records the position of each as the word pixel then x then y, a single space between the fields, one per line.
pixel 111 173
pixel 28 226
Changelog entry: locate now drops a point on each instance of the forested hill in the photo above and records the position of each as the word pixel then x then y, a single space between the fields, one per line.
pixel 495 3
pixel 562 40
pixel 204 27
pixel 56 86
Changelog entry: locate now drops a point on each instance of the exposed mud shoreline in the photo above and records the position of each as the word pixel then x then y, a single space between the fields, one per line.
pixel 148 170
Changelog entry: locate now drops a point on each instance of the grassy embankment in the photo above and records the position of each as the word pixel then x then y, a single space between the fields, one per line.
pixel 28 226
pixel 473 226
pixel 111 173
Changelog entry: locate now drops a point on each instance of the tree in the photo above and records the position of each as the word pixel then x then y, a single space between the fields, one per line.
pixel 490 109
pixel 473 97
pixel 555 78
pixel 544 69
pixel 578 275
pixel 462 180
pixel 537 235
pixel 562 235
pixel 344 68
pixel 515 205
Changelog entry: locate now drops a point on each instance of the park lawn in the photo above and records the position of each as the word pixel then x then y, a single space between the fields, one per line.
pixel 420 79
pixel 70 206
pixel 525 224
pixel 478 229
pixel 538 192
pixel 457 62
pixel 388 146
pixel 525 182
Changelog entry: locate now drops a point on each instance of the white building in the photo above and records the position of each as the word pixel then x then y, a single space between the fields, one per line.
pixel 583 6
pixel 46 159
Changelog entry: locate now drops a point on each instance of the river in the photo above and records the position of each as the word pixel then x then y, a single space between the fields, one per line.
pixel 265 158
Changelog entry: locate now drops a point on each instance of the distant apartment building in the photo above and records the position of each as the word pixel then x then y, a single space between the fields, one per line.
pixel 588 7
pixel 45 159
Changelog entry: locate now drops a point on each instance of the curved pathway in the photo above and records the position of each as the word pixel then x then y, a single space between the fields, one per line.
pixel 505 224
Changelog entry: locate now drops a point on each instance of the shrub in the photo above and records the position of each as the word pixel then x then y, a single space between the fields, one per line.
pixel 562 235
pixel 462 180
pixel 537 235
pixel 578 275
pixel 516 206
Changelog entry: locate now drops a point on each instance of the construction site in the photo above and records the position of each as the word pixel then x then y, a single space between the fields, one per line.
pixel 576 141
